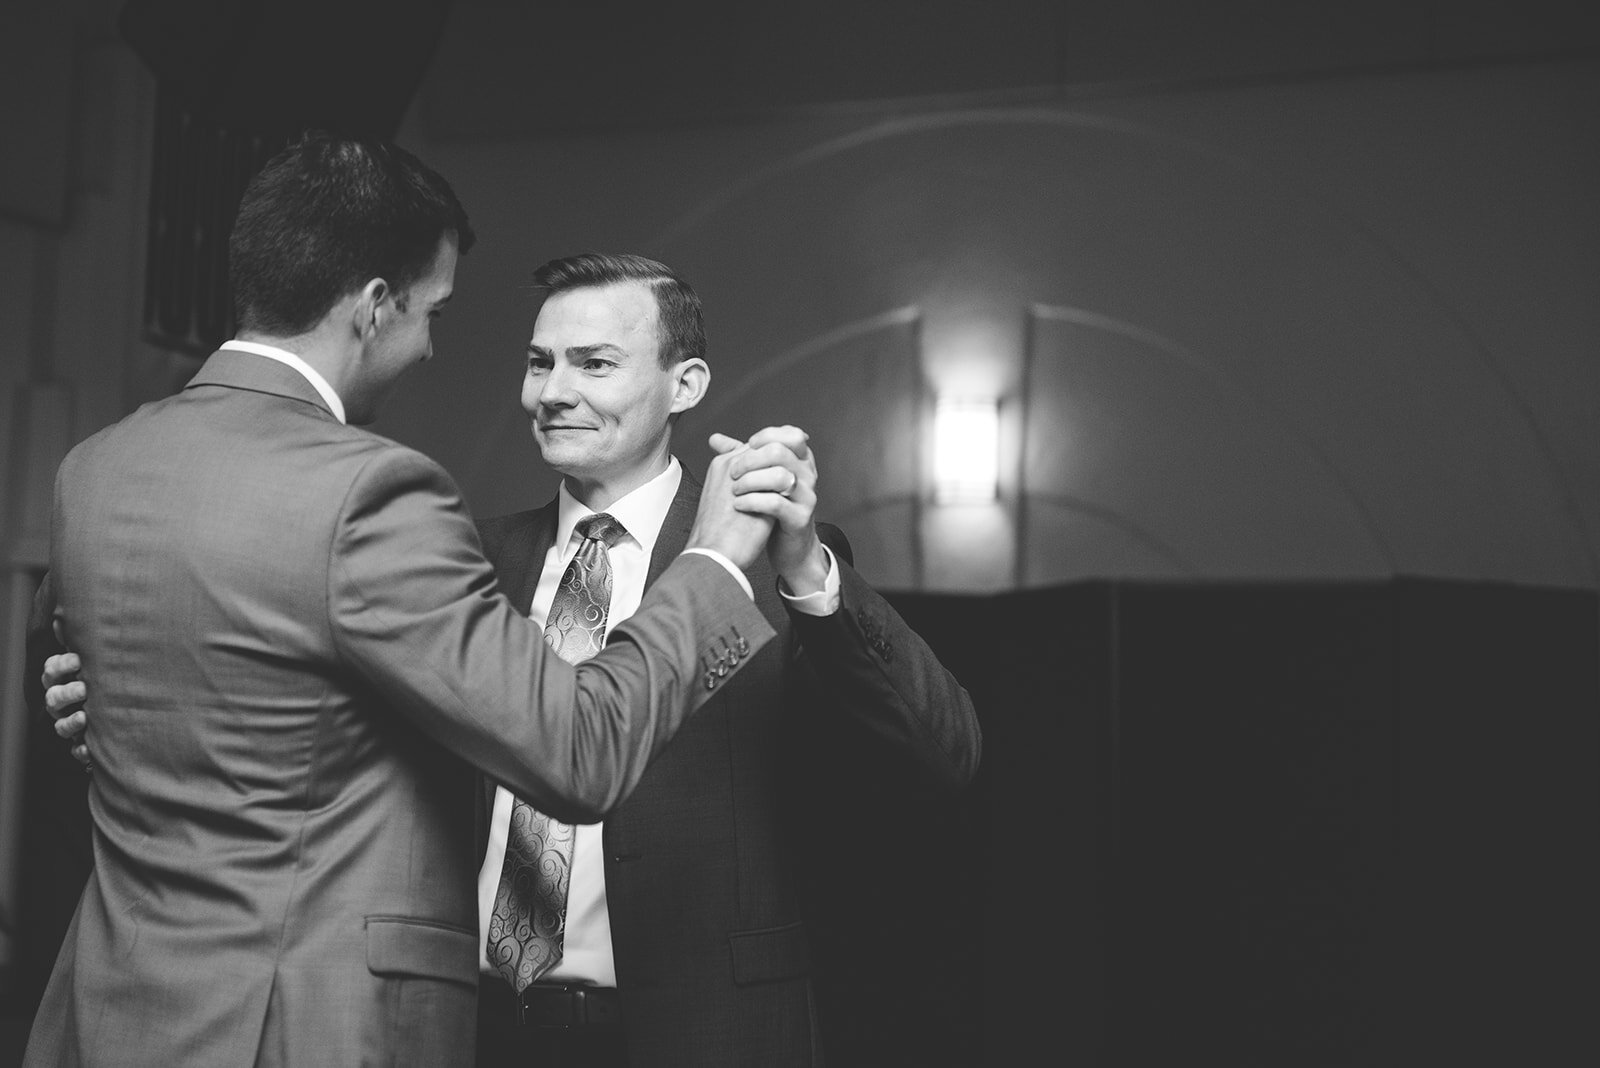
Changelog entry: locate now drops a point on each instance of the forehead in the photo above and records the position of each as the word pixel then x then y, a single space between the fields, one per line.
pixel 622 314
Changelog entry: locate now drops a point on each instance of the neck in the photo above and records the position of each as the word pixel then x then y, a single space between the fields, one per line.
pixel 328 352
pixel 599 494
pixel 318 349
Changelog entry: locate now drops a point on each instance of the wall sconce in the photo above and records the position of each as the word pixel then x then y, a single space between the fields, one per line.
pixel 966 451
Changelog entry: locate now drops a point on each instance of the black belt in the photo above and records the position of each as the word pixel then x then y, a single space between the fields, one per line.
pixel 558 1005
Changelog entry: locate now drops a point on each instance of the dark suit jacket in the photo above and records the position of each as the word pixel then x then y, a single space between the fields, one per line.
pixel 286 623
pixel 707 925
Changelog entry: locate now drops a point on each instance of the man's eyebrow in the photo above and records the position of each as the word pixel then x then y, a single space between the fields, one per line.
pixel 577 351
pixel 590 350
pixel 442 301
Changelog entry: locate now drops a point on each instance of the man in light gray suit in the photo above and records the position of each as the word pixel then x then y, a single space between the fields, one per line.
pixel 299 657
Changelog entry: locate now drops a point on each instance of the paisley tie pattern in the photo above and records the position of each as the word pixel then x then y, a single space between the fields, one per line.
pixel 530 904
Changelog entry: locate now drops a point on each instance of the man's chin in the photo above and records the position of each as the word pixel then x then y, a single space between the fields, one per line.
pixel 559 457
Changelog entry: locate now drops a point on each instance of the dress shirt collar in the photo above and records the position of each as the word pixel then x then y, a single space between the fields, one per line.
pixel 309 373
pixel 641 511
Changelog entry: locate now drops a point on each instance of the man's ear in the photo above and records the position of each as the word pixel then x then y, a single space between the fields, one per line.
pixel 371 308
pixel 693 379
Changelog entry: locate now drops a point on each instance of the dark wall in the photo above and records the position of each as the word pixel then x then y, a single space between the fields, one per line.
pixel 1496 786
pixel 1270 825
pixel 1250 818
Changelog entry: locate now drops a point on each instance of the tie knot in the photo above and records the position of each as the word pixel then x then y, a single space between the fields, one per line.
pixel 601 527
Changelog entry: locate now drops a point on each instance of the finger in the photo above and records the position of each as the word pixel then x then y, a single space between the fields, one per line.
pixel 768 505
pixel 80 753
pixel 790 437
pixel 722 443
pixel 793 512
pixel 62 696
pixel 776 478
pixel 788 497
pixel 59 668
pixel 58 700
pixel 69 727
pixel 772 454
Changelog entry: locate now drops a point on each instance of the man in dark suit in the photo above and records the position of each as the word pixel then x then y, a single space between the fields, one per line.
pixel 685 936
pixel 299 655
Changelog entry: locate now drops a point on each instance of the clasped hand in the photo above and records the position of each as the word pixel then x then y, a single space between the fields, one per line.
pixel 763 493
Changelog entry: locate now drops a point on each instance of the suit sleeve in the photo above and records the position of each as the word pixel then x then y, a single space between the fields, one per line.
pixel 881 671
pixel 414 608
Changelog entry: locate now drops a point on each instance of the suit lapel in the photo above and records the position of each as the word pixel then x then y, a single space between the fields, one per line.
pixel 522 555
pixel 675 528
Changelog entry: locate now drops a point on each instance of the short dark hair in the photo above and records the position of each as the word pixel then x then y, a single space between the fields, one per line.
pixel 683 330
pixel 327 215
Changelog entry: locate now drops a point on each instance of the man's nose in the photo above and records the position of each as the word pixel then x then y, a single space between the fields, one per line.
pixel 556 389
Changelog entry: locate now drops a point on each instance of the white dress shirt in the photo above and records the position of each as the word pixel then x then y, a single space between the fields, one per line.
pixel 586 946
pixel 307 372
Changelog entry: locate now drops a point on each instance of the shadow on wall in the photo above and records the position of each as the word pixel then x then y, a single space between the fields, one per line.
pixel 1251 334
pixel 1211 373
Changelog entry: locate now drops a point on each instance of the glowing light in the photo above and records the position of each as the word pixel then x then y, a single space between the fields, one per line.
pixel 966 451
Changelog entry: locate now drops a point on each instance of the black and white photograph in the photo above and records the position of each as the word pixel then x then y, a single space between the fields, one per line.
pixel 738 534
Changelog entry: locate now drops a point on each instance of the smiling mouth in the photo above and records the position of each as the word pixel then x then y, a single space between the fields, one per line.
pixel 550 429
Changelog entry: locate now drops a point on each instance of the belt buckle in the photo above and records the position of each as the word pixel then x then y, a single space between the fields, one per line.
pixel 561 1006
pixel 523 1014
pixel 564 1006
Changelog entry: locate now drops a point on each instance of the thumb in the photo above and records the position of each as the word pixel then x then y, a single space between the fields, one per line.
pixel 721 444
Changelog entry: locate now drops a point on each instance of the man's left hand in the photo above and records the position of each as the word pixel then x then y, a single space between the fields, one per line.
pixel 777 476
pixel 64 695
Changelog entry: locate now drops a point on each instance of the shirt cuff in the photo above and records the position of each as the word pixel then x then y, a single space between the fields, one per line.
pixel 825 602
pixel 744 583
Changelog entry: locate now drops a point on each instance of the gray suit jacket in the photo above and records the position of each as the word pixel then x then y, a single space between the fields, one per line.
pixel 297 655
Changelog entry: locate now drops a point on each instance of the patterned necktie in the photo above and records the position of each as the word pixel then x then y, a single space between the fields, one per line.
pixel 530 904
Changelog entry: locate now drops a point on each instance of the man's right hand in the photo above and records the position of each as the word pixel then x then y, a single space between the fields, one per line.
pixel 64 695
pixel 718 525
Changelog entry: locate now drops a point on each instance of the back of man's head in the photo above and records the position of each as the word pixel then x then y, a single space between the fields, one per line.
pixel 683 330
pixel 324 217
